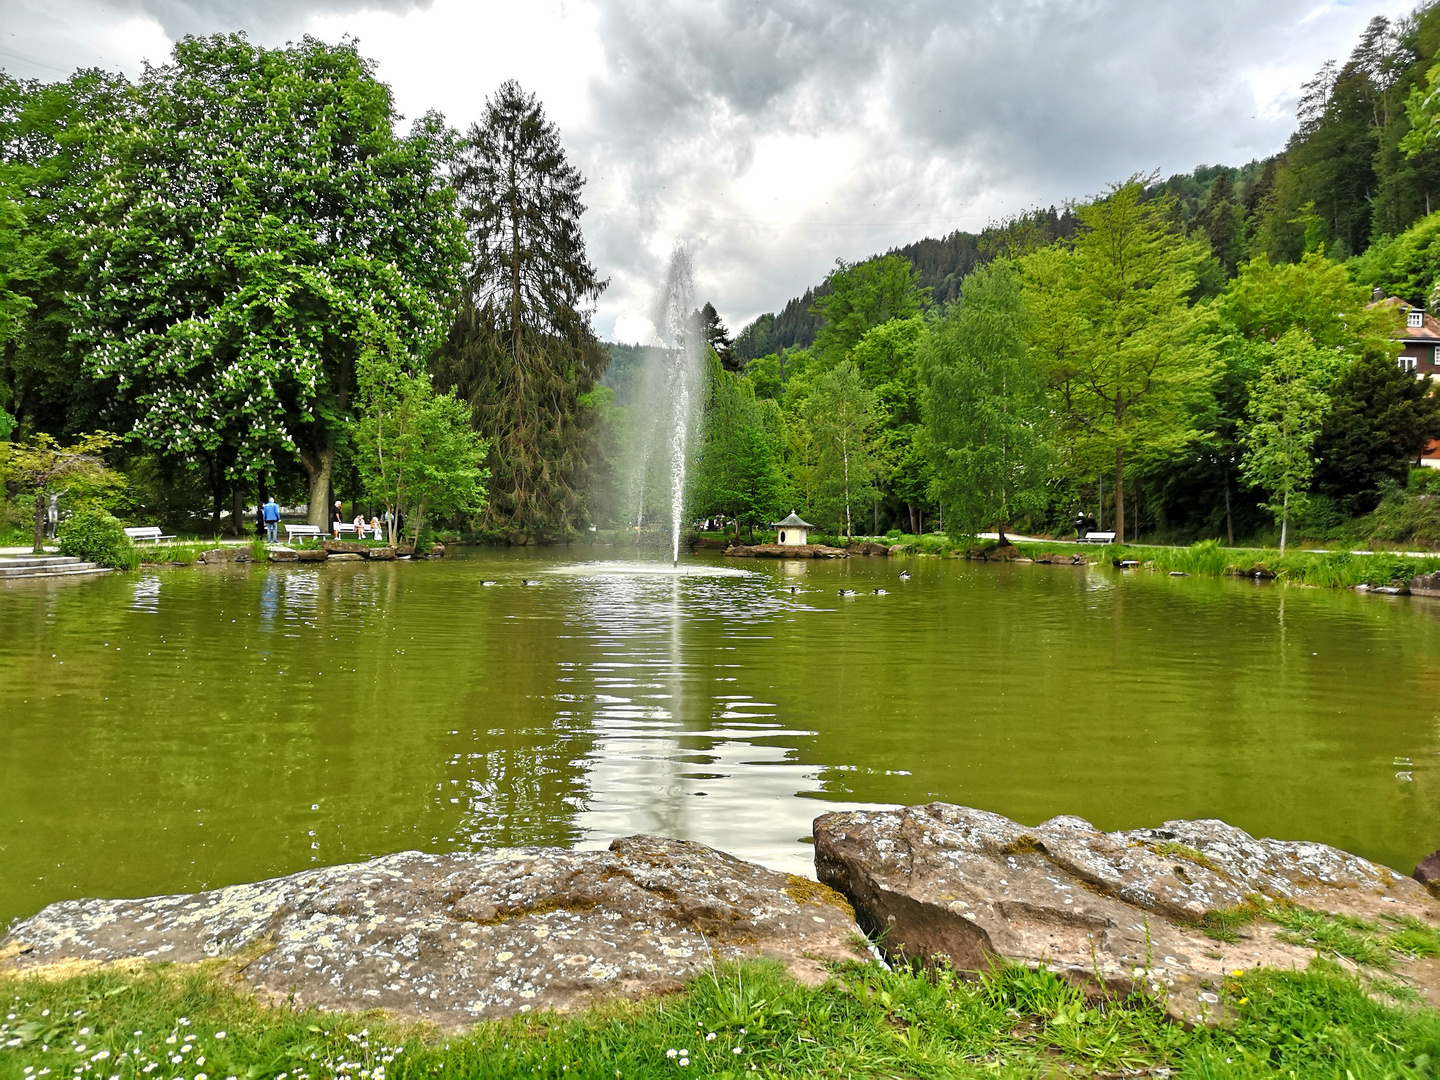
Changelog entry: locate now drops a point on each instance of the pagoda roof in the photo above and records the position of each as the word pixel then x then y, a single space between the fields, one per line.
pixel 791 522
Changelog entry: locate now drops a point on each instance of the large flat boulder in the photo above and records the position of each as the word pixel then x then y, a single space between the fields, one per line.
pixel 461 937
pixel 225 555
pixel 1114 912
pixel 1425 585
pixel 786 551
pixel 345 547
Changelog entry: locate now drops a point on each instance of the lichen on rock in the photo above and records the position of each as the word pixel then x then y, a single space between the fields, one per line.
pixel 465 936
pixel 1115 912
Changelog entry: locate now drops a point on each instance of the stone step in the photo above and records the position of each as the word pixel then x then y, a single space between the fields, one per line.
pixel 12 561
pixel 78 568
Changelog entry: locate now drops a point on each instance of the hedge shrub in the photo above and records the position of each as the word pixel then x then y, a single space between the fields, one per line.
pixel 97 536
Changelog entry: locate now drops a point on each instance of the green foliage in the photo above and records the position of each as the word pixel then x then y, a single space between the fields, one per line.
pixel 862 295
pixel 737 468
pixel 41 468
pixel 1314 296
pixel 52 160
pixel 1407 517
pixel 1406 266
pixel 99 537
pixel 1286 408
pixel 521 352
pixel 417 453
pixel 1380 418
pixel 839 414
pixel 886 358
pixel 1128 356
pixel 985 406
pixel 260 211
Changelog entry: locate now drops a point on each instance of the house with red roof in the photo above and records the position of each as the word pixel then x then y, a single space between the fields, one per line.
pixel 1419 338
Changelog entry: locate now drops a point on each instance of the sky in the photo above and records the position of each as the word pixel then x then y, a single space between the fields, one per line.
pixel 771 139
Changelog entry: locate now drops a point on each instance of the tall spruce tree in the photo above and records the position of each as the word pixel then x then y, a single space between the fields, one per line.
pixel 522 351
pixel 1380 419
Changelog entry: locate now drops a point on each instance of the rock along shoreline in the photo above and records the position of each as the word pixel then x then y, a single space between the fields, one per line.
pixel 457 938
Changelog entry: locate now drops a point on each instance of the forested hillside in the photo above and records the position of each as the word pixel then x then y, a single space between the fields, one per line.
pixel 1239 413
pixel 1344 175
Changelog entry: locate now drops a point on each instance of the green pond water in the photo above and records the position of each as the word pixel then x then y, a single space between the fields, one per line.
pixel 170 731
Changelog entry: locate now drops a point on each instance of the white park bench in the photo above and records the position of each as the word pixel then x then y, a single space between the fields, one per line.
pixel 343 527
pixel 1097 538
pixel 292 532
pixel 139 533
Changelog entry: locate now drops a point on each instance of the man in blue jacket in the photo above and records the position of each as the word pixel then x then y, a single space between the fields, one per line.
pixel 272 520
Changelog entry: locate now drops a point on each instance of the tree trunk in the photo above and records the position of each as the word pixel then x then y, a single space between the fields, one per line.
pixel 1229 521
pixel 237 509
pixel 1284 522
pixel 317 464
pixel 1119 495
pixel 39 522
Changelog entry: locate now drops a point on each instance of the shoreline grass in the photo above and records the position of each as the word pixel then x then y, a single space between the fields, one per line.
pixel 1208 558
pixel 746 1021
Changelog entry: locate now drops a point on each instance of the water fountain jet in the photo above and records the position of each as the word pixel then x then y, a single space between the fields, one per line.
pixel 673 384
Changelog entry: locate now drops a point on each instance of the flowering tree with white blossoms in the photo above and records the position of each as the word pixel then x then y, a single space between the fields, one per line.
pixel 260 211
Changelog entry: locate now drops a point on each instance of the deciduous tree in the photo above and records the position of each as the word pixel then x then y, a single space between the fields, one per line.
pixel 839 416
pixel 737 469
pixel 985 406
pixel 417 452
pixel 40 466
pixel 862 295
pixel 259 212
pixel 1128 356
pixel 1287 405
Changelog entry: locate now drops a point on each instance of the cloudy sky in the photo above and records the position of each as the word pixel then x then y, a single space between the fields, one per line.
pixel 772 138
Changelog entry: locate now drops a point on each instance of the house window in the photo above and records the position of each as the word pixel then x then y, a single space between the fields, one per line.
pixel 1407 363
pixel 782 536
pixel 1415 318
pixel 1435 358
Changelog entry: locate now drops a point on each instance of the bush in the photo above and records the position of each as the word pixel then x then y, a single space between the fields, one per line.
pixel 98 536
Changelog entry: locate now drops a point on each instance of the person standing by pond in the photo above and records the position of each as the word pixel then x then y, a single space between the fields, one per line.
pixel 271 513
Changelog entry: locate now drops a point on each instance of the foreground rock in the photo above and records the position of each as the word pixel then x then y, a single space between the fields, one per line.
pixel 1427 872
pixel 462 937
pixel 1111 911
pixel 786 551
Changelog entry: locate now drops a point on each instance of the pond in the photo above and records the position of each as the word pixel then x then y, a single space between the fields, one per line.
pixel 189 728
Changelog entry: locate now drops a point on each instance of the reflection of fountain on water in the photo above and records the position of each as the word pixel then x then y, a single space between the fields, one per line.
pixel 634 569
pixel 671 393
pixel 679 749
pixel 146 596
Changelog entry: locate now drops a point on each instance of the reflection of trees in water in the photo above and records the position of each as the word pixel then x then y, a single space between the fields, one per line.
pixel 576 710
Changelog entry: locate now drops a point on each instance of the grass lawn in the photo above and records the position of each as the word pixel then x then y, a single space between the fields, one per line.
pixel 741 1022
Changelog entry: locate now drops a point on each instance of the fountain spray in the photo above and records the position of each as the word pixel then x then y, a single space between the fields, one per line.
pixel 675 323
